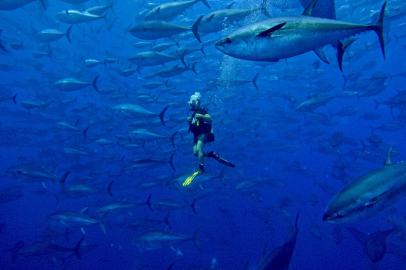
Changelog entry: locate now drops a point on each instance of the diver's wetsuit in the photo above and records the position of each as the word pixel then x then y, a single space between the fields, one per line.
pixel 201 130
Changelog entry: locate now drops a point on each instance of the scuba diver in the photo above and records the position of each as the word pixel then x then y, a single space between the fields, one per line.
pixel 200 124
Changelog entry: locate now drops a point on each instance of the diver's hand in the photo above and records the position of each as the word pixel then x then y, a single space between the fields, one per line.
pixel 189 119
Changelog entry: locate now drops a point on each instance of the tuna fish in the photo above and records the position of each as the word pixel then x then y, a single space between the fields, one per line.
pixel 151 30
pixel 368 195
pixel 169 11
pixel 309 105
pixel 72 219
pixel 75 17
pixel 158 239
pixel 13 4
pixel 136 111
pixel 50 35
pixel 72 84
pixel 218 20
pixel 153 58
pixel 374 243
pixel 283 37
pixel 280 257
pixel 31 173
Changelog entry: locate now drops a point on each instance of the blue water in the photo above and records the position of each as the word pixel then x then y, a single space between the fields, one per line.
pixel 258 130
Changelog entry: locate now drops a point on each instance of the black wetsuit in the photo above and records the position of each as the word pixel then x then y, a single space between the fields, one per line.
pixel 201 130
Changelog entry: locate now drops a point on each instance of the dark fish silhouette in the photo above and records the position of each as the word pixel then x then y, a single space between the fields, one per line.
pixel 374 243
pixel 280 257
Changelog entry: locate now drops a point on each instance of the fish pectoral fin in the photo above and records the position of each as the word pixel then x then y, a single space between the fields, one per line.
pixel 320 53
pixel 373 201
pixel 268 32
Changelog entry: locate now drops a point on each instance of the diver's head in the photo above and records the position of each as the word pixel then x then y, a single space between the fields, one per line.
pixel 194 101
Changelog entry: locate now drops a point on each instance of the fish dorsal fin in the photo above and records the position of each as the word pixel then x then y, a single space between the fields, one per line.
pixel 210 18
pixel 388 161
pixel 158 10
pixel 308 11
pixel 230 5
pixel 320 53
pixel 84 210
pixel 269 31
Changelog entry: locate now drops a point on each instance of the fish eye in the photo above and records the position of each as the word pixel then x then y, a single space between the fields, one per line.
pixel 228 40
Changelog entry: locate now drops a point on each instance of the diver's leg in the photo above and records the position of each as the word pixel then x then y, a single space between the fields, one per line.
pixel 200 154
pixel 195 149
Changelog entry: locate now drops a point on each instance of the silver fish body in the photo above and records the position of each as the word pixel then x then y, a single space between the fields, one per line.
pixel 75 17
pixel 284 37
pixel 368 195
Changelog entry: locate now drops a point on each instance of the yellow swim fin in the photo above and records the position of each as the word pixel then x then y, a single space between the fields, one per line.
pixel 190 178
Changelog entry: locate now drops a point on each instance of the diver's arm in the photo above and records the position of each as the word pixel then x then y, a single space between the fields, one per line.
pixel 205 118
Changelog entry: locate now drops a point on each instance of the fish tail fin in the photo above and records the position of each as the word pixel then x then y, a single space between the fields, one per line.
pixel 68 33
pixel 44 5
pixel 196 239
pixel 85 132
pixel 195 27
pixel 221 176
pixel 76 249
pixel 105 19
pixel 149 203
pixel 297 218
pixel 112 6
pixel 109 188
pixel 94 84
pixel 14 98
pixel 193 68
pixel 1 45
pixel 193 206
pixel 203 50
pixel 254 81
pixel 63 189
pixel 173 138
pixel 162 114
pixel 264 10
pixel 376 105
pixel 182 58
pixel 166 220
pixel 102 222
pixel 378 28
pixel 171 161
pixel 63 178
pixel 205 3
